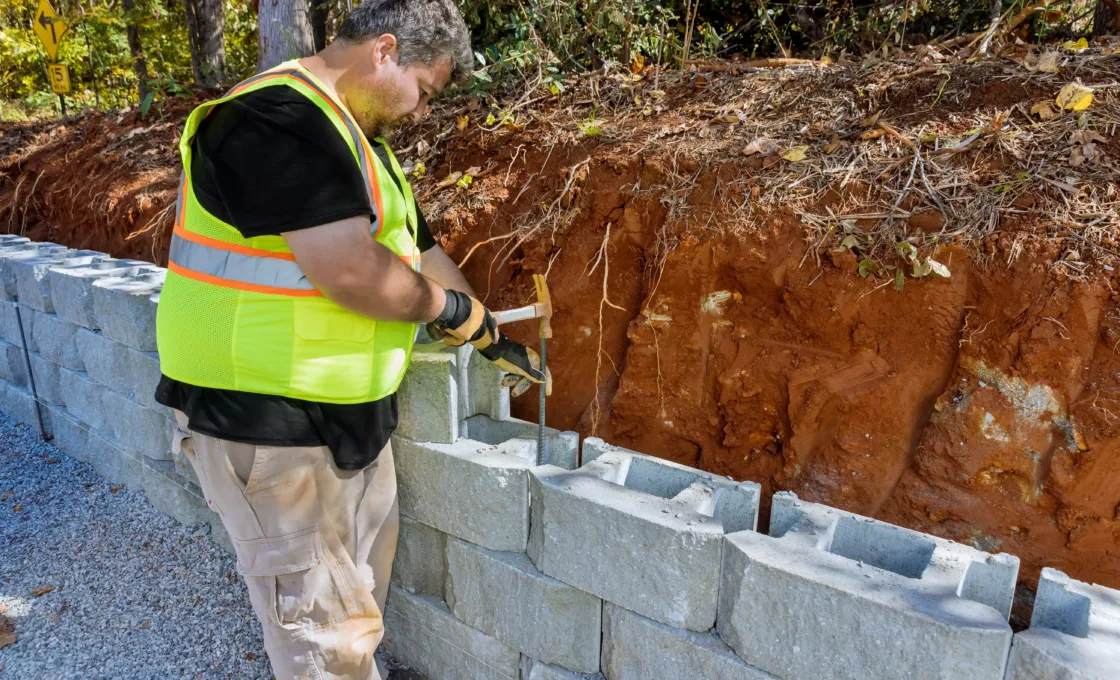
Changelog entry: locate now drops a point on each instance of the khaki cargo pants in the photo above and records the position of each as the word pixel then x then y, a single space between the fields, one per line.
pixel 314 543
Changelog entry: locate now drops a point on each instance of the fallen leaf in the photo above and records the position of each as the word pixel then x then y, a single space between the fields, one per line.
pixel 938 268
pixel 53 461
pixel 249 656
pixel 144 626
pixel 825 60
pixel 833 144
pixel 868 266
pixel 638 64
pixel 17 508
pixel 1086 137
pixel 848 243
pixel 462 121
pixel 1044 110
pixel 870 120
pixel 899 280
pixel 1048 62
pixel 1075 97
pixel 1076 45
pixel 760 146
pixel 6 495
pixel 114 489
pixel 41 590
pixel 7 633
pixel 795 154
pixel 730 119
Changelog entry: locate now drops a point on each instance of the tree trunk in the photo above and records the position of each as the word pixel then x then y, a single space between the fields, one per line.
pixel 319 11
pixel 284 32
pixel 139 64
pixel 206 22
pixel 1106 19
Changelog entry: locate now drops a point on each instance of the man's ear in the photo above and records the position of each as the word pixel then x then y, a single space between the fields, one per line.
pixel 384 49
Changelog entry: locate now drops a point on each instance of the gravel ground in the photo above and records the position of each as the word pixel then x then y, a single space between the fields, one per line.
pixel 134 594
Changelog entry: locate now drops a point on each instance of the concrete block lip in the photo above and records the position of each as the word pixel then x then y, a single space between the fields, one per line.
pixel 516 454
pixel 914 597
pixel 929 564
pixel 695 508
pixel 654 509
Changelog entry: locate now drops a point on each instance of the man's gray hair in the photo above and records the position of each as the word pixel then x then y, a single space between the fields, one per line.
pixel 427 31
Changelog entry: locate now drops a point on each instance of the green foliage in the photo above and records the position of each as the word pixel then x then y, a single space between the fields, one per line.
pixel 96 52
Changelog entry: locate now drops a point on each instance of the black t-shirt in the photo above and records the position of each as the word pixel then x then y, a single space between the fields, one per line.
pixel 270 162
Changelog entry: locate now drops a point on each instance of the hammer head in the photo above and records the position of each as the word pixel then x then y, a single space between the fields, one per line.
pixel 544 305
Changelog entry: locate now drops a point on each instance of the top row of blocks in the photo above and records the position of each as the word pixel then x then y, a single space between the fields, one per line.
pixel 84 287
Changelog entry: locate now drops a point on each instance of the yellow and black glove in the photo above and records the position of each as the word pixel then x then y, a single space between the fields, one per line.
pixel 464 319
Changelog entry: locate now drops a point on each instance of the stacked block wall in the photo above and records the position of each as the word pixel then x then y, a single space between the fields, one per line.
pixel 521 564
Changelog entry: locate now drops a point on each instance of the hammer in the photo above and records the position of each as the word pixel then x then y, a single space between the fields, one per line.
pixel 541 309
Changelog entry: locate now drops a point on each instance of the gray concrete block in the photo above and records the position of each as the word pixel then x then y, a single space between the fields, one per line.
pixel 71 286
pixel 531 669
pixel 420 566
pixel 832 590
pixel 142 430
pixel 475 491
pixel 48 385
pixel 486 396
pixel 427 400
pixel 636 648
pixel 70 435
pixel 9 325
pixel 122 369
pixel 55 339
pixel 17 252
pixel 421 633
pixel 18 404
pixel 219 535
pixel 560 448
pixel 638 531
pixel 112 461
pixel 124 309
pixel 1074 633
pixel 503 595
pixel 183 468
pixel 173 496
pixel 33 287
pixel 84 398
pixel 13 364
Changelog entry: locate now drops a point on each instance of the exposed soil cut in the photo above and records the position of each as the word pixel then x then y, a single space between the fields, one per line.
pixel 722 306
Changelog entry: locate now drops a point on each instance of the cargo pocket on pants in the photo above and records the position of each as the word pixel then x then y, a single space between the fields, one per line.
pixel 305 585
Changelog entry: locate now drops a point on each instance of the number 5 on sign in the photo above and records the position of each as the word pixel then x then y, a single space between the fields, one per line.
pixel 60 78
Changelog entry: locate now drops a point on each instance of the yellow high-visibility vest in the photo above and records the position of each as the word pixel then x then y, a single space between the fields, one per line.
pixel 237 313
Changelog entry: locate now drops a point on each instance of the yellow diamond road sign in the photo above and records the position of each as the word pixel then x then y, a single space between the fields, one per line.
pixel 49 27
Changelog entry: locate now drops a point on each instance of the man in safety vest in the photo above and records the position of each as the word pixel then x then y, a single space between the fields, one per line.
pixel 288 318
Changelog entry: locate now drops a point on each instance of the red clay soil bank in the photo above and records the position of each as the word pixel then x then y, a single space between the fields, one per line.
pixel 984 407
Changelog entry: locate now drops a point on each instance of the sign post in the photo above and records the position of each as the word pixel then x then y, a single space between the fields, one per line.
pixel 50 29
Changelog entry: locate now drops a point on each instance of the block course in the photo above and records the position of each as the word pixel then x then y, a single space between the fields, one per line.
pixel 515 564
pixel 1074 633
pixel 863 597
pixel 643 533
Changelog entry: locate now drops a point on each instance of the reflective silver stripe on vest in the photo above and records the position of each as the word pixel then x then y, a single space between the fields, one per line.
pixel 250 269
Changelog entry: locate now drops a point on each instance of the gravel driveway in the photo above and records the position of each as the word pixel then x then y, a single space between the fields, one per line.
pixel 99 584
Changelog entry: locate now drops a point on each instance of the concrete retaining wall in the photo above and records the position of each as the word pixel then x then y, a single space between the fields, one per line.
pixel 519 564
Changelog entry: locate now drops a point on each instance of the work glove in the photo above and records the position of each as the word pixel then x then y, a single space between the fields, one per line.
pixel 464 319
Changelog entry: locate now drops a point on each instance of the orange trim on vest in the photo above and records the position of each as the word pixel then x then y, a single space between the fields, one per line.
pixel 238 285
pixel 231 247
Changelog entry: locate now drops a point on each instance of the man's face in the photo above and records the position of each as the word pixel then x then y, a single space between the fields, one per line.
pixel 382 93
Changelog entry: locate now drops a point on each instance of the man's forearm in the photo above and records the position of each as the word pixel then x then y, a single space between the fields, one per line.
pixel 357 272
pixel 442 269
